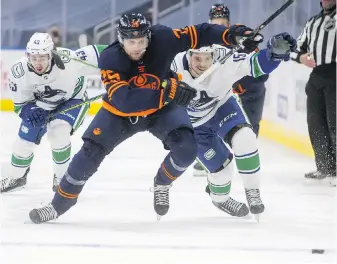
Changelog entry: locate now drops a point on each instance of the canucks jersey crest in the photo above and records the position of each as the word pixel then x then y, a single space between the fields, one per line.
pixel 202 102
pixel 201 106
pixel 46 94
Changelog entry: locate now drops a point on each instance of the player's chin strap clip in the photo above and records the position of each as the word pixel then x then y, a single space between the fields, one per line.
pixel 133 119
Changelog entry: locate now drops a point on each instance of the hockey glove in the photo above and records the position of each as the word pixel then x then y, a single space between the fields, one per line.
pixel 235 36
pixel 179 92
pixel 280 46
pixel 34 116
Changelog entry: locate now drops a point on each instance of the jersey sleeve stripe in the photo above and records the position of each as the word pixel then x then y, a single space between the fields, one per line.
pixel 195 36
pixel 224 37
pixel 114 87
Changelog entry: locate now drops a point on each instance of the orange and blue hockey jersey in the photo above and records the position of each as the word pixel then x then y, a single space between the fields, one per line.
pixel 134 87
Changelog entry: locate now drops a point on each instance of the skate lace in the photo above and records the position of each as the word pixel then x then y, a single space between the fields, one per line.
pixel 161 194
pixel 47 213
pixel 232 205
pixel 5 183
pixel 253 196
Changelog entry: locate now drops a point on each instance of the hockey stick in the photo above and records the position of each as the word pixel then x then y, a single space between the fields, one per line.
pixel 222 60
pixel 88 101
pixel 61 54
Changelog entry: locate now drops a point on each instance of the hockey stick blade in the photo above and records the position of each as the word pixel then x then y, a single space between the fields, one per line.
pixel 222 60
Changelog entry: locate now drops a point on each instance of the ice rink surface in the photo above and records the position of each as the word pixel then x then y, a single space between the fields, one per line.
pixel 114 220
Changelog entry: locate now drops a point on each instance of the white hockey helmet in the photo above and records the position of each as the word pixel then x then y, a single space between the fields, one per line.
pixel 208 49
pixel 196 68
pixel 40 43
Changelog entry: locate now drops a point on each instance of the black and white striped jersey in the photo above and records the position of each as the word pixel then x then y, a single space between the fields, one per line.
pixel 319 38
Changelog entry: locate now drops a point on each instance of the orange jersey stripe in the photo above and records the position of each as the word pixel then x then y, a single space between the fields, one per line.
pixel 224 37
pixel 115 111
pixel 66 195
pixel 191 36
pixel 114 87
pixel 167 173
pixel 195 37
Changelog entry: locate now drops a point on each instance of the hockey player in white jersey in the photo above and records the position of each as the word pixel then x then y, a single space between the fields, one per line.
pixel 250 90
pixel 217 117
pixel 43 84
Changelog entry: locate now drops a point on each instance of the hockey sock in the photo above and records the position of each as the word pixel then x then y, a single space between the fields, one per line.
pixel 244 145
pixel 22 157
pixel 219 182
pixel 59 137
pixel 183 152
pixel 169 171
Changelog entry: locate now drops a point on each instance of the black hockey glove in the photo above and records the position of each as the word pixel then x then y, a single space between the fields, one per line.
pixel 179 92
pixel 237 32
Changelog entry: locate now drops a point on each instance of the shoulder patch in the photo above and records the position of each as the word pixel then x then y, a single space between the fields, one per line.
pixel 66 58
pixel 17 70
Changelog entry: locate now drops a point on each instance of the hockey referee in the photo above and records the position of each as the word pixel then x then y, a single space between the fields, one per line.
pixel 317 50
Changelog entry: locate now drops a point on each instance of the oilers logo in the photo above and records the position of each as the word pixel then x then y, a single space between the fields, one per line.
pixel 145 80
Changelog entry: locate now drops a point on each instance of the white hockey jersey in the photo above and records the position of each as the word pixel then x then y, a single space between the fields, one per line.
pixel 216 89
pixel 52 88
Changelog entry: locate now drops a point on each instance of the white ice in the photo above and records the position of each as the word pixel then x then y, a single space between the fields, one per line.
pixel 114 220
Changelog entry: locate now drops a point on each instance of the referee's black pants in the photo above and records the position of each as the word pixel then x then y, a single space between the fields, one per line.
pixel 321 118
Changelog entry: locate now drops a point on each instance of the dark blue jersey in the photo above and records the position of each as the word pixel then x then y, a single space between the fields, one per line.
pixel 134 87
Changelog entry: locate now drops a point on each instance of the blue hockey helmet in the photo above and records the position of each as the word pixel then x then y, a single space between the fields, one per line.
pixel 133 25
pixel 219 11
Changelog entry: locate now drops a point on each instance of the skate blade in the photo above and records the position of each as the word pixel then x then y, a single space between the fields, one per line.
pixel 13 190
pixel 199 174
pixel 316 182
pixel 257 217
pixel 158 217
pixel 332 182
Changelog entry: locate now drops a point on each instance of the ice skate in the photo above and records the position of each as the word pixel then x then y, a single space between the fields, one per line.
pixel 256 206
pixel 43 214
pixel 231 206
pixel 9 184
pixel 56 183
pixel 315 175
pixel 161 199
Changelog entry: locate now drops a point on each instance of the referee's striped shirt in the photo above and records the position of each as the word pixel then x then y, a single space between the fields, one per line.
pixel 319 38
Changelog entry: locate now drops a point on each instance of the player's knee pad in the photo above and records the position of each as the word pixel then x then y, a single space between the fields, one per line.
pixel 183 146
pixel 219 182
pixel 58 133
pixel 23 148
pixel 86 162
pixel 244 141
pixel 228 138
